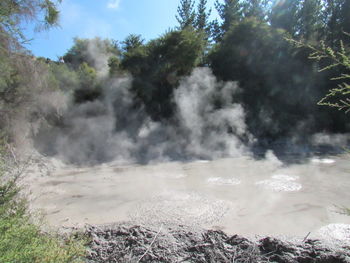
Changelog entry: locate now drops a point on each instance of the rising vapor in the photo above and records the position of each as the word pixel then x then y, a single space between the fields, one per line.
pixel 112 129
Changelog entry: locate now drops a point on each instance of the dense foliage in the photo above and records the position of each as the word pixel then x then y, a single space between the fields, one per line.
pixel 250 43
pixel 158 66
pixel 279 85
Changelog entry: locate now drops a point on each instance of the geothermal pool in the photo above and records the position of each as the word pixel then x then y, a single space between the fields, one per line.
pixel 237 195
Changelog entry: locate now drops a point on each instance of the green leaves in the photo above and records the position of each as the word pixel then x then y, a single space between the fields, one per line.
pixel 338 97
pixel 132 42
pixel 341 93
pixel 52 14
pixel 158 66
pixel 23 242
pixel 13 13
pixel 88 50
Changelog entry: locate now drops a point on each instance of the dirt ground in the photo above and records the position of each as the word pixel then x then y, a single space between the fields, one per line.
pixel 126 243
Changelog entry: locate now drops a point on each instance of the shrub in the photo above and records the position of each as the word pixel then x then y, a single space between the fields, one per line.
pixel 23 241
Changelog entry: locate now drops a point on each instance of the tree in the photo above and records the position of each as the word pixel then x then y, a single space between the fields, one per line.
pixel 114 65
pixel 336 97
pixel 345 20
pixel 202 16
pixel 270 75
pixel 255 8
pixel 310 21
pixel 77 54
pixel 15 12
pixel 186 14
pixel 134 54
pixel 12 53
pixel 284 15
pixel 230 11
pixel 331 15
pixel 89 51
pixel 158 66
pixel 132 42
pixel 88 89
pixel 66 78
pixel 336 20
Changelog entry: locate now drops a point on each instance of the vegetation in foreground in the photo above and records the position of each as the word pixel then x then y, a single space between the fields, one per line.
pixel 336 97
pixel 20 239
pixel 23 241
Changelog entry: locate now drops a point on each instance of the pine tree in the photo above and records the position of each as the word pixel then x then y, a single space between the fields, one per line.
pixel 345 20
pixel 332 13
pixel 131 42
pixel 230 11
pixel 186 14
pixel 255 8
pixel 284 14
pixel 310 19
pixel 202 15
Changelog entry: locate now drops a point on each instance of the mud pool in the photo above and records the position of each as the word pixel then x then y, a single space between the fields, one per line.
pixel 237 195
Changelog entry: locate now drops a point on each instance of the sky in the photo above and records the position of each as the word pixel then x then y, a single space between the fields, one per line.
pixel 113 19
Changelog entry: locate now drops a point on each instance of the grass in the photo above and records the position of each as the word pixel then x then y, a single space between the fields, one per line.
pixel 23 241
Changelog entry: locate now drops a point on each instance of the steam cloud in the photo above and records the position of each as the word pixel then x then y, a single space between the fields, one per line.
pixel 208 124
pixel 112 129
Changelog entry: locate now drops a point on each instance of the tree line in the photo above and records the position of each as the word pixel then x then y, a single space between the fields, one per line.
pixel 279 85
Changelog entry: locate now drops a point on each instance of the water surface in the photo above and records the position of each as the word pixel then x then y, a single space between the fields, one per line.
pixel 238 195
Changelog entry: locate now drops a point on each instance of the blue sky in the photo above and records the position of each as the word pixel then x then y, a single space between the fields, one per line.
pixel 114 19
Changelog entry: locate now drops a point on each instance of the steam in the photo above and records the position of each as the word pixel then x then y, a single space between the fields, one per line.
pixel 210 132
pixel 338 140
pixel 32 106
pixel 112 129
pixel 98 53
pixel 208 123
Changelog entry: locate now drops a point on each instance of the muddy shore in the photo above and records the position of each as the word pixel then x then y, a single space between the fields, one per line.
pixel 126 243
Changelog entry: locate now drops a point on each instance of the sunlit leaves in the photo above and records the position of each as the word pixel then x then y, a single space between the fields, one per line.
pixel 338 97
